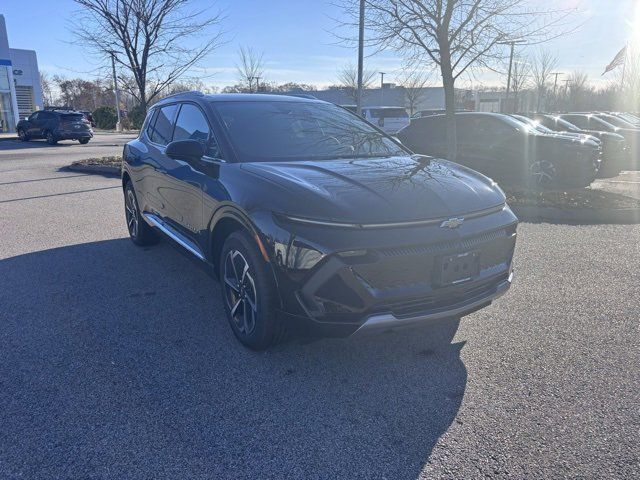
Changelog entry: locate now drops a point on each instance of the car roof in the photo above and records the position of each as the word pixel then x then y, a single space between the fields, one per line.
pixel 238 97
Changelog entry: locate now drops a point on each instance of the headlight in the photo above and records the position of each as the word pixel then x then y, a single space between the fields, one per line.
pixel 297 256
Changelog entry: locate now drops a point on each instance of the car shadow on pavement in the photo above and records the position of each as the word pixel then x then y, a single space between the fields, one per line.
pixel 19 145
pixel 117 361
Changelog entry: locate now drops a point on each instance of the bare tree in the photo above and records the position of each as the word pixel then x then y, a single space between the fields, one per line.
pixel 413 83
pixel 348 80
pixel 578 90
pixel 544 63
pixel 250 67
pixel 455 35
pixel 46 87
pixel 151 39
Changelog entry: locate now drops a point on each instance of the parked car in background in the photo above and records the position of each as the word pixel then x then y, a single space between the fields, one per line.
pixel 505 149
pixel 547 131
pixel 597 122
pixel 55 125
pixel 614 146
pixel 314 220
pixel 629 117
pixel 388 119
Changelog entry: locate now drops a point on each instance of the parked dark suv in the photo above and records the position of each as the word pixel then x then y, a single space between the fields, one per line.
pixel 507 150
pixel 55 125
pixel 614 147
pixel 313 219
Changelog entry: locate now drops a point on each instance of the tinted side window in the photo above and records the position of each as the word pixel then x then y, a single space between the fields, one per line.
pixel 150 120
pixel 162 128
pixel 192 125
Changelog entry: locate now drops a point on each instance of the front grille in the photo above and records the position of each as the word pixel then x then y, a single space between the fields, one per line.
pixel 446 299
pixel 413 266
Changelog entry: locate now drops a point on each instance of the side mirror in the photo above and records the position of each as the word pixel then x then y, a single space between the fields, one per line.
pixel 186 150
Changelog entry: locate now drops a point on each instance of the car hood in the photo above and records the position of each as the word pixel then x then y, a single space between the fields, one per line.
pixel 560 140
pixel 378 190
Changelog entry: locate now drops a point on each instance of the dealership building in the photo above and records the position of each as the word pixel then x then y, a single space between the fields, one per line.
pixel 20 91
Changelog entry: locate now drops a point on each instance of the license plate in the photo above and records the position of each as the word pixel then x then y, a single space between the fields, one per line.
pixel 459 268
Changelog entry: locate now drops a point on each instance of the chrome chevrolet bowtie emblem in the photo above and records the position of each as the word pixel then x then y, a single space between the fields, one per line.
pixel 452 223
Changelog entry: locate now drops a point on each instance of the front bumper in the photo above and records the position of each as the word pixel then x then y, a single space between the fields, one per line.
pixel 395 285
pixel 389 320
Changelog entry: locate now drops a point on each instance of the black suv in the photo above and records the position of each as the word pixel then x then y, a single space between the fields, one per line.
pixel 55 125
pixel 507 150
pixel 313 219
pixel 614 146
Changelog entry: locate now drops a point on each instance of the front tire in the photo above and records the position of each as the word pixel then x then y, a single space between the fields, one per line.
pixel 83 141
pixel 140 232
pixel 22 135
pixel 249 293
pixel 542 174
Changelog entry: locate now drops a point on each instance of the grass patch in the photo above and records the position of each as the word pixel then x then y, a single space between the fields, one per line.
pixel 571 199
pixel 112 161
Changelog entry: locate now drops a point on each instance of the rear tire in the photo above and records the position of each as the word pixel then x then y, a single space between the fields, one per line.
pixel 140 232
pixel 249 293
pixel 51 139
pixel 83 141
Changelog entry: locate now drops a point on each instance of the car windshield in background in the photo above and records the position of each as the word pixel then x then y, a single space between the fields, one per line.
pixel 565 124
pixel 285 131
pixel 389 113
pixel 618 122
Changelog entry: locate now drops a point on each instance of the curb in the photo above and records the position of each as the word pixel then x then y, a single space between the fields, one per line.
pixel 95 169
pixel 624 216
pixel 7 139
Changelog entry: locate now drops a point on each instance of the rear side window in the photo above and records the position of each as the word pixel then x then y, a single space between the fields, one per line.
pixel 71 117
pixel 162 127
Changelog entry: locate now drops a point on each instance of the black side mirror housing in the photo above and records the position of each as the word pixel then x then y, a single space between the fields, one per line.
pixel 186 150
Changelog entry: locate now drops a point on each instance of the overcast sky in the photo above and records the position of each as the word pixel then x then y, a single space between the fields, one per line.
pixel 296 38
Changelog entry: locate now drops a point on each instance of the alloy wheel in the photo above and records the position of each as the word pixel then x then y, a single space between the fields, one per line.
pixel 131 213
pixel 21 134
pixel 543 172
pixel 240 292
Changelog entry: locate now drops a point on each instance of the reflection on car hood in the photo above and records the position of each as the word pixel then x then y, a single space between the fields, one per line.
pixel 380 190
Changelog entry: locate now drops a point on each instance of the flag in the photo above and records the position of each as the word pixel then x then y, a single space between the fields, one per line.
pixel 617 61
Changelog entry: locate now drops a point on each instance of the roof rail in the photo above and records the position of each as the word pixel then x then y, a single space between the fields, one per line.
pixel 192 92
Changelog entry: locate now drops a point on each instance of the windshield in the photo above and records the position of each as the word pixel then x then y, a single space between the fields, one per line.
pixel 284 131
pixel 618 122
pixel 533 124
pixel 561 122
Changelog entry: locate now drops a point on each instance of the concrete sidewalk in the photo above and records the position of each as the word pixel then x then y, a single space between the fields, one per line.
pixel 8 136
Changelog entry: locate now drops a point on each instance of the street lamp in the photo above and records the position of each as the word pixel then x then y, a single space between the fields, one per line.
pixel 382 74
pixel 512 44
pixel 115 89
pixel 360 59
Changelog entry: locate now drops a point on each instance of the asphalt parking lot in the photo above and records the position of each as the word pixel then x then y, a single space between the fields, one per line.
pixel 116 361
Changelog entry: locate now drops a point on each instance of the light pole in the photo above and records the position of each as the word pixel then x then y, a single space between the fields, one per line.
pixel 382 74
pixel 115 90
pixel 512 44
pixel 555 88
pixel 360 59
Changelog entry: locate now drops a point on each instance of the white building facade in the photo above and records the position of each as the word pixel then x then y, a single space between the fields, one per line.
pixel 20 91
